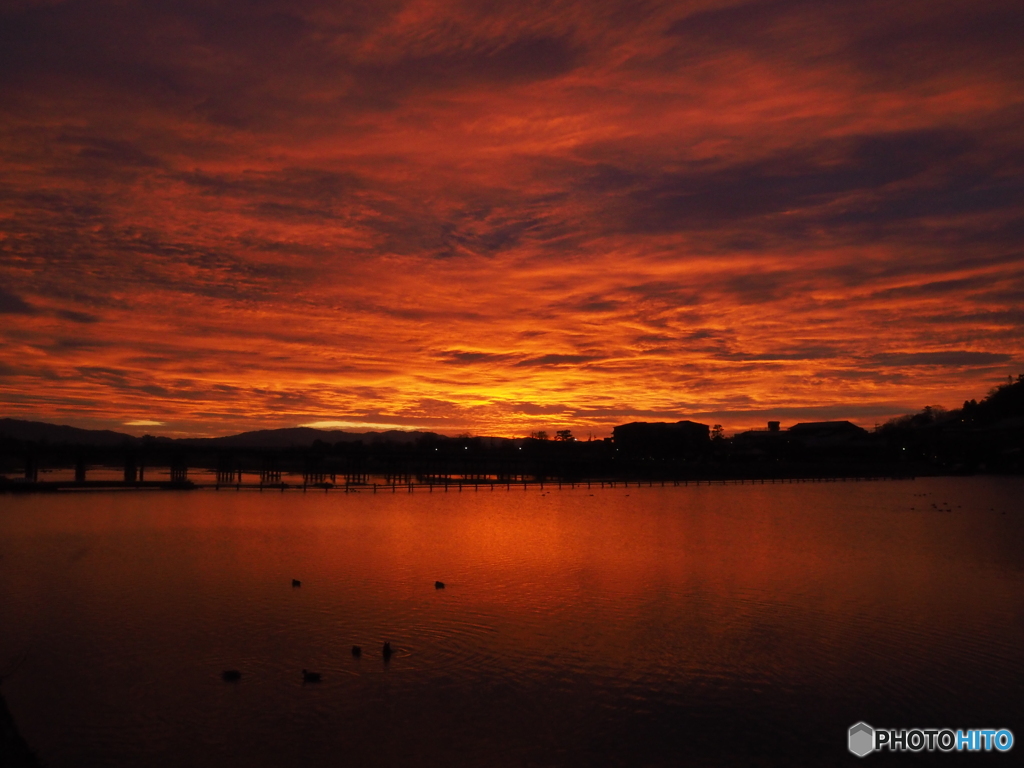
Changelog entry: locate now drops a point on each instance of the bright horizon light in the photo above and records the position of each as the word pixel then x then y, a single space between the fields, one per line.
pixel 355 425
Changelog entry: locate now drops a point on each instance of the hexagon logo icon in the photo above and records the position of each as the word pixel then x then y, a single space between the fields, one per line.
pixel 862 739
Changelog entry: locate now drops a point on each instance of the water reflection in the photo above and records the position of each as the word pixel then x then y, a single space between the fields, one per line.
pixel 727 625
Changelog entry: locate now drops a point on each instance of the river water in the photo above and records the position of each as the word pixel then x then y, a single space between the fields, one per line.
pixel 724 625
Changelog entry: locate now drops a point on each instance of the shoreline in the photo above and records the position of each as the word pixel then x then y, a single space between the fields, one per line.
pixel 14 750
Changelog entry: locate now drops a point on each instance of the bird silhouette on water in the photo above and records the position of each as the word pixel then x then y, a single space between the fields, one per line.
pixel 438 585
pixel 357 650
pixel 310 677
pixel 296 583
pixel 387 651
pixel 231 675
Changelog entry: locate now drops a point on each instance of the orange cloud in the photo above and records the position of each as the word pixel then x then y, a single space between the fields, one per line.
pixel 458 217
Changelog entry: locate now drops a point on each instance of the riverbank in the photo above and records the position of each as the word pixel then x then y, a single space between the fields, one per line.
pixel 14 752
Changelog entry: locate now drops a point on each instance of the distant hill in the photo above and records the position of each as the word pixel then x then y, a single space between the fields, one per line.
pixel 295 437
pixel 40 431
pixel 302 437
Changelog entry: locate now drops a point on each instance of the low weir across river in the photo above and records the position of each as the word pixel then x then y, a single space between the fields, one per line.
pixel 428 486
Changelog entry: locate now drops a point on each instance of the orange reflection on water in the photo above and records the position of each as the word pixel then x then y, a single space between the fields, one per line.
pixel 657 608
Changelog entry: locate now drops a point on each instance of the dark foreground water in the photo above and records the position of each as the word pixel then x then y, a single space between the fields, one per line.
pixel 724 626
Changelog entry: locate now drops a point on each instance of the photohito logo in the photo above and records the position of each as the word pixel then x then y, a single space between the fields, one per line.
pixel 863 739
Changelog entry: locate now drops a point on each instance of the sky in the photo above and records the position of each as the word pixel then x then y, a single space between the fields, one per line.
pixel 501 217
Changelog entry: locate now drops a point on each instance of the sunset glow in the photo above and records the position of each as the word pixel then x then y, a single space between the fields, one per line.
pixel 505 217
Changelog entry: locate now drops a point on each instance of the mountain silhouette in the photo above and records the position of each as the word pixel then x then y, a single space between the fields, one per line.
pixel 293 437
